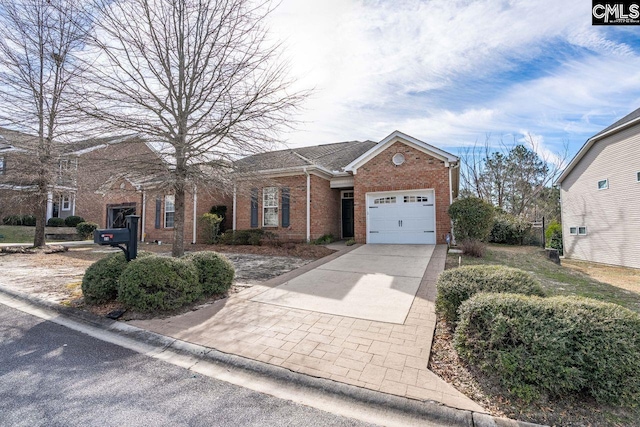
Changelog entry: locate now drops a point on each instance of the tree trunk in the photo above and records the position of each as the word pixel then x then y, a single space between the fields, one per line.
pixel 41 217
pixel 177 249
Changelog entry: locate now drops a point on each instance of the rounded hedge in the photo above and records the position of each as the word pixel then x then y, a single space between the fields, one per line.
pixel 100 281
pixel 557 346
pixel 159 283
pixel 457 285
pixel 86 229
pixel 215 271
pixel 73 220
pixel 472 218
pixel 55 222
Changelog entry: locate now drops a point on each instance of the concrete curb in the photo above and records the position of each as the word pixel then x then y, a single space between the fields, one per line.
pixel 425 410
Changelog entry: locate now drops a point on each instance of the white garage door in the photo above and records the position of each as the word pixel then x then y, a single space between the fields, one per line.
pixel 401 217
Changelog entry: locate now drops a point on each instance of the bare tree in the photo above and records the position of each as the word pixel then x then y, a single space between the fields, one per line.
pixel 39 43
pixel 512 177
pixel 200 79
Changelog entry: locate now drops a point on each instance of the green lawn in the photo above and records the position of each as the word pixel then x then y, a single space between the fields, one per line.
pixel 556 279
pixel 16 234
pixel 23 234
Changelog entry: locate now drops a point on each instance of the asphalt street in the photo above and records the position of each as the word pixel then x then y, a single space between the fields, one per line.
pixel 54 376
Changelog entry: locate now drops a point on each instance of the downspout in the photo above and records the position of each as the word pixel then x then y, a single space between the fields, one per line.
pixel 195 212
pixel 144 216
pixel 233 227
pixel 308 205
pixel 73 204
pixel 453 237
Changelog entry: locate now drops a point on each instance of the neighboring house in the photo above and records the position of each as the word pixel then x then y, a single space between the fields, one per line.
pixel 18 173
pixel 394 191
pixel 600 197
pixel 102 180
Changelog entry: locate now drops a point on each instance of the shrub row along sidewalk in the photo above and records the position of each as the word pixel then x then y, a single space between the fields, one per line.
pixel 534 346
pixel 152 283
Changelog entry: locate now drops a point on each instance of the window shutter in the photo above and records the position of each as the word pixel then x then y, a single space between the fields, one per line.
pixel 254 207
pixel 285 207
pixel 158 212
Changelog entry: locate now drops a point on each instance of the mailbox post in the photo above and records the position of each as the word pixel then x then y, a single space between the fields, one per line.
pixel 121 236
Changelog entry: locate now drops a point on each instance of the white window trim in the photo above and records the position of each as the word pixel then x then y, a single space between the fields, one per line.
pixel 606 182
pixel 272 205
pixel 2 165
pixel 167 198
pixel 575 231
pixel 585 230
pixel 65 201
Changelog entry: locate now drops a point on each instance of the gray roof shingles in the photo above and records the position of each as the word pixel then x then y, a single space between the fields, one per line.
pixel 631 116
pixel 333 157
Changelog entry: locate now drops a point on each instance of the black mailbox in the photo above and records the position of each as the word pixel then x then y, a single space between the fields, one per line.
pixel 111 236
pixel 121 236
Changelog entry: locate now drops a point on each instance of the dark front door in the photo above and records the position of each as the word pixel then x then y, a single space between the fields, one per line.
pixel 116 215
pixel 347 218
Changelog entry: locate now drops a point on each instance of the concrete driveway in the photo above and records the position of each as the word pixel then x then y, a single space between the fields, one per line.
pixel 372 282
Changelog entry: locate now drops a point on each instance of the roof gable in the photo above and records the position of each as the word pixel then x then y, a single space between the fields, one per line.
pixel 630 119
pixel 398 136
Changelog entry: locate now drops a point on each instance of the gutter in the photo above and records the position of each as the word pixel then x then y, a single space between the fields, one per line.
pixel 195 218
pixel 235 198
pixel 144 214
pixel 308 205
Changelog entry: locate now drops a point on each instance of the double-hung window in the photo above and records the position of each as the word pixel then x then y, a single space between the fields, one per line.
pixel 270 207
pixel 169 210
pixel 1 165
pixel 66 203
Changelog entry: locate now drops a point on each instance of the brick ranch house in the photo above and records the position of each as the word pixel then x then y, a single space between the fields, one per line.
pixel 394 191
pixel 95 181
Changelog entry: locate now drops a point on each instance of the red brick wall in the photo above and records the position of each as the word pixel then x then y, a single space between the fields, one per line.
pixel 297 230
pixel 205 200
pixel 417 172
pixel 325 207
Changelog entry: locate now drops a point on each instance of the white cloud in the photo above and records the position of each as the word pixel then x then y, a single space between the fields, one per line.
pixel 377 66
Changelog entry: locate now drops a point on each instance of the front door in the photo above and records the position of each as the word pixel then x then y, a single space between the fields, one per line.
pixel 347 218
pixel 116 215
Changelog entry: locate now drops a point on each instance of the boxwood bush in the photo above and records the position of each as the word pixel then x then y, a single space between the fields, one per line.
pixel 215 271
pixel 29 220
pixel 509 229
pixel 55 222
pixel 86 229
pixel 457 285
pixel 472 218
pixel 159 283
pixel 73 220
pixel 254 237
pixel 555 346
pixel 100 281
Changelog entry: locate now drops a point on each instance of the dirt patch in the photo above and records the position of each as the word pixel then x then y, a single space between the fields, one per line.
pixel 57 277
pixel 621 277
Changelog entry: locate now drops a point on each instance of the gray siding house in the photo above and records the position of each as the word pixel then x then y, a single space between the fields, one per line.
pixel 600 197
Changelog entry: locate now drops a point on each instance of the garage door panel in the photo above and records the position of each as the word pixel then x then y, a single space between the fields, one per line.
pixel 401 217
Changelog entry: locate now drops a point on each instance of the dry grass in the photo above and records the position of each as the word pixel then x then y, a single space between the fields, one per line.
pixel 621 277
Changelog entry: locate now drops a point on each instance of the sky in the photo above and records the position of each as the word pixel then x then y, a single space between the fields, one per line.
pixel 452 73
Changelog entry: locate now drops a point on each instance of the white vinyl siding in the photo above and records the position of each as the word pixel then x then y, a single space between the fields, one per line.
pixel 610 217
